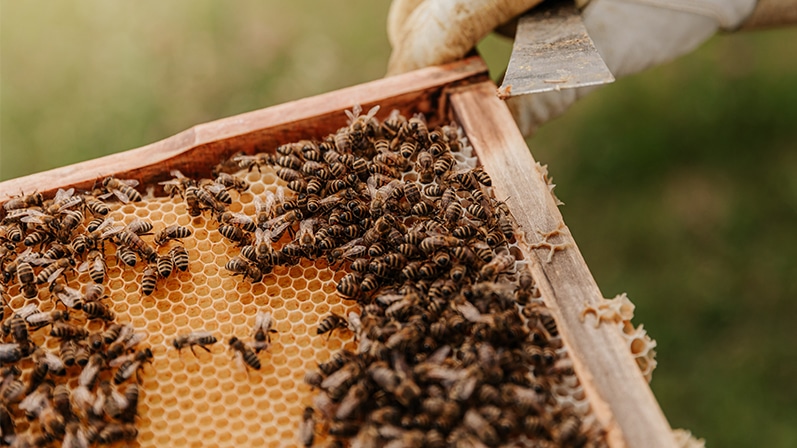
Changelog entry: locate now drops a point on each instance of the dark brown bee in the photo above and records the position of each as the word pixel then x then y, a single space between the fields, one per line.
pixel 247 162
pixel 171 232
pixel 330 323
pixel 245 352
pixel 37 237
pixel 424 165
pixel 25 201
pixel 14 232
pixel 179 257
pixel 240 266
pixel 122 189
pixel 192 200
pixel 288 174
pixel 235 234
pixel 70 219
pixel 200 339
pixel 95 206
pixel 114 432
pixel 416 127
pixel 407 149
pixel 495 239
pixel 95 264
pixel 149 279
pixel 132 240
pixel 130 366
pixel 336 362
pixel 453 213
pixel 506 223
pixel 96 342
pixel 67 352
pixel 127 255
pixel 26 279
pixel 458 272
pixel 63 330
pixel 208 197
pixel 93 292
pixel 443 165
pixel 377 249
pixel 238 220
pixel 82 354
pixel 498 265
pixel 477 211
pixel 482 176
pixel 392 124
pixel 422 209
pixel 42 319
pixel 53 270
pixel 370 283
pixel 96 310
pixel 165 265
pixel 289 161
pixel 262 331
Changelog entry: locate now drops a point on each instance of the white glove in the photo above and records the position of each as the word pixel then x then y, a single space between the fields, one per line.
pixel 631 35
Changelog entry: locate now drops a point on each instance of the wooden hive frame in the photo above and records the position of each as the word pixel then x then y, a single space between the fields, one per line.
pixel 618 393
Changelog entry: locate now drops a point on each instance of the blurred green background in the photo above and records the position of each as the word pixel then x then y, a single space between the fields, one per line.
pixel 680 183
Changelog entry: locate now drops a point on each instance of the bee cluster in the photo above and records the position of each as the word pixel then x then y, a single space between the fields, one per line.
pixel 71 384
pixel 455 348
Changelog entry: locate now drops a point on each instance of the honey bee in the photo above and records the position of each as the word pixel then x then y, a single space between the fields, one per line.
pixel 179 257
pixel 392 124
pixel 201 339
pixel 380 194
pixel 433 243
pixel 130 366
pixel 219 193
pixel 235 234
pixel 95 264
pixel 262 331
pixel 114 432
pixel 498 265
pixel 127 255
pixel 207 198
pixel 10 352
pixel 330 323
pixel 258 160
pixel 149 280
pixel 245 353
pixel 24 201
pixel 424 165
pixel 165 265
pixel 416 127
pixel 94 238
pixel 95 206
pixel 36 237
pixel 352 401
pixel 230 181
pixel 96 310
pixel 42 319
pixel 249 270
pixel 192 200
pixel 123 189
pixel 63 330
pixel 237 219
pixel 173 231
pixel 133 241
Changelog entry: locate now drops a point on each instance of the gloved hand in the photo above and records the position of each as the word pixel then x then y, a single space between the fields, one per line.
pixel 631 35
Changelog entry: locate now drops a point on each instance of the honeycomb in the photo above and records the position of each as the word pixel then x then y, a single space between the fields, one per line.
pixel 205 398
pixel 620 311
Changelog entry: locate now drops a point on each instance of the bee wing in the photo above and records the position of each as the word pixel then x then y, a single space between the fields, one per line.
pixel 372 186
pixel 353 251
pixel 306 225
pixel 134 339
pixel 197 336
pixel 112 231
pixel 88 374
pixel 121 196
pixel 116 362
pixel 130 182
pixel 28 310
pixel 119 398
pixel 30 215
pixel 82 267
pixel 178 174
pixel 54 363
pixel 8 348
pixel 281 194
pixel 82 397
pixel 125 333
pixel 372 113
pixel 62 195
pixel 34 402
pixel 280 228
pixel 263 321
pixel 70 298
pixel 55 274
pixel 353 113
pixel 470 312
pixel 41 261
pixel 38 318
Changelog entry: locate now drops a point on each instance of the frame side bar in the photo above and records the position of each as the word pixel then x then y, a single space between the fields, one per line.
pixel 619 395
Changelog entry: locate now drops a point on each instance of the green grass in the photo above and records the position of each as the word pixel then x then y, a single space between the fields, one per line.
pixel 680 183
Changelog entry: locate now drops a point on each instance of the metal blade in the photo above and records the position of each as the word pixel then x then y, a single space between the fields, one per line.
pixel 552 51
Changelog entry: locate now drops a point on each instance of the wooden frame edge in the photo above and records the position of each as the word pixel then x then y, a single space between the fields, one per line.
pixel 417 91
pixel 619 395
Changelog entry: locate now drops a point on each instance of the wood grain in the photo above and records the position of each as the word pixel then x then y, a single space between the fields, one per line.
pixel 196 150
pixel 618 393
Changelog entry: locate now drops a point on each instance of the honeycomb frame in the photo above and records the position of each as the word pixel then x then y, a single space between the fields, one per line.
pixel 244 139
